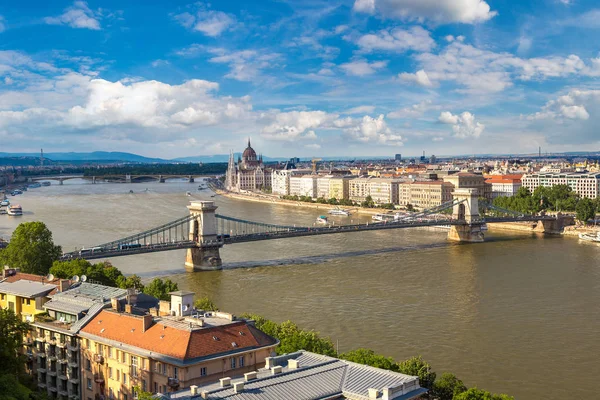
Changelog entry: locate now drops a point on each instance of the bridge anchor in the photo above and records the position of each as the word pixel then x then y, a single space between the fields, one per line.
pixel 466 211
pixel 203 230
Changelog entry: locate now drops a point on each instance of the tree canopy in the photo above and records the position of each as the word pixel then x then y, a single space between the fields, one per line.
pixel 586 210
pixel 102 272
pixel 160 289
pixel 478 394
pixel 31 249
pixel 447 386
pixel 369 357
pixel 206 304
pixel 12 330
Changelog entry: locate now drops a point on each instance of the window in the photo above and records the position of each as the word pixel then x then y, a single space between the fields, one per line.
pixel 134 365
pixel 124 396
pixel 89 383
pixel 124 378
pixel 164 369
pixel 118 375
pixel 155 387
pixel 143 385
pixel 109 372
pixel 241 361
pixel 175 372
pixel 98 348
pixel 156 367
pixel 203 371
pixel 123 357
pixel 87 343
pixel 110 352
pixel 88 364
pixel 111 395
pixel 232 363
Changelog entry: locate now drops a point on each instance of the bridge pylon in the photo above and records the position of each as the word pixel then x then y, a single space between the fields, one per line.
pixel 466 211
pixel 203 230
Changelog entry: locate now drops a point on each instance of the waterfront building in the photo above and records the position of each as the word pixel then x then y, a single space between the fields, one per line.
pixel 55 350
pixel 339 188
pixel 359 189
pixel 384 191
pixel 303 185
pixel 310 376
pixel 467 180
pixel 248 174
pixel 424 194
pixel 173 347
pixel 583 184
pixel 504 185
pixel 26 294
pixel 323 186
pixel 280 180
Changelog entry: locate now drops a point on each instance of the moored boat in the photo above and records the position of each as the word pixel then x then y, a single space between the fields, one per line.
pixel 384 217
pixel 46 183
pixel 35 185
pixel 321 219
pixel 4 203
pixel 15 210
pixel 339 211
pixel 590 237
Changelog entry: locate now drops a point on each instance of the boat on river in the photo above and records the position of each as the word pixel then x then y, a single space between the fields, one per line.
pixel 384 217
pixel 590 237
pixel 321 219
pixel 46 183
pixel 15 210
pixel 4 203
pixel 34 185
pixel 339 211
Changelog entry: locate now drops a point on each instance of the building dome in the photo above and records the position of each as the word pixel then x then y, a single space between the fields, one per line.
pixel 249 154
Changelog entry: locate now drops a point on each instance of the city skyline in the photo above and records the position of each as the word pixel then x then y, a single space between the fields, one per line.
pixel 317 78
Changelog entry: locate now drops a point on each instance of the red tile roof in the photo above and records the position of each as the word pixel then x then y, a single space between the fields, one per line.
pixel 171 341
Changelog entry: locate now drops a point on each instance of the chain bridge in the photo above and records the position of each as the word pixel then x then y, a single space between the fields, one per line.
pixel 203 232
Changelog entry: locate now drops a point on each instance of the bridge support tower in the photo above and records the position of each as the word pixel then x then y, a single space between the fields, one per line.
pixel 190 179
pixel 466 212
pixel 161 179
pixel 127 178
pixel 203 230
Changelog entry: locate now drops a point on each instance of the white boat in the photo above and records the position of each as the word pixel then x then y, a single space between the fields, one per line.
pixel 321 219
pixel 383 217
pixel 188 193
pixel 35 185
pixel 4 203
pixel 590 237
pixel 339 211
pixel 46 183
pixel 15 210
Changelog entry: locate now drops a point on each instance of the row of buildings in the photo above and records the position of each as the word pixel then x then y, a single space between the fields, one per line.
pixel 94 342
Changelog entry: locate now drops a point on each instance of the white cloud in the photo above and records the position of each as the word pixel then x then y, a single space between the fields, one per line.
pixel 420 78
pixel 292 125
pixel 362 67
pixel 210 22
pixel 371 130
pixel 524 45
pixel 414 111
pixel 8 80
pixel 437 11
pixel 313 146
pixel 463 125
pixel 364 6
pixel 570 106
pixel 360 110
pixel 159 63
pixel 397 40
pixel 79 15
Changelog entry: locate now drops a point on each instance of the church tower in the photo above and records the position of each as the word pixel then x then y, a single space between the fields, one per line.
pixel 231 178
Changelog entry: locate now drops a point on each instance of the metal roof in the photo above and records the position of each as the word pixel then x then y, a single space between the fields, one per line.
pixel 317 377
pixel 25 288
pixel 92 312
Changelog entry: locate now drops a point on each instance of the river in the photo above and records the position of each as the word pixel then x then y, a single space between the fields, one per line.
pixel 517 314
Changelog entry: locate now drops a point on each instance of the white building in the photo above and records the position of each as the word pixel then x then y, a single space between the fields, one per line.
pixel 304 185
pixel 323 186
pixel 585 185
pixel 503 187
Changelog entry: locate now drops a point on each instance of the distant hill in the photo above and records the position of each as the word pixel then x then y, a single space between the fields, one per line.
pixel 92 156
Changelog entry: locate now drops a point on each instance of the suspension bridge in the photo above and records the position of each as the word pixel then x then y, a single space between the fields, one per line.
pixel 203 232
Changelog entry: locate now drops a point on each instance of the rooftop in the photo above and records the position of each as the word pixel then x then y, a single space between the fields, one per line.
pixel 28 289
pixel 315 377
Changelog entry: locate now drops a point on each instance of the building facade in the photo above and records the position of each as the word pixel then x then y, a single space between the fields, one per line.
pixel 248 174
pixel 339 188
pixel 384 191
pixel 467 180
pixel 425 195
pixel 303 185
pixel 584 184
pixel 503 185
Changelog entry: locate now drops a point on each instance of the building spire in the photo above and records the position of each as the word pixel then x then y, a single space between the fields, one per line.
pixel 249 142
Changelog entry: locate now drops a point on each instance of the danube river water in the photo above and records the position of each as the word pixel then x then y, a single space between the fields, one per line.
pixel 517 314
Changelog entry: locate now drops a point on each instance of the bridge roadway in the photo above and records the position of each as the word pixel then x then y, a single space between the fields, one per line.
pixel 289 233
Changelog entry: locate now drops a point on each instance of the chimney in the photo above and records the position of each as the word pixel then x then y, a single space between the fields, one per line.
pixel 114 302
pixel 131 296
pixel 238 387
pixel 225 382
pixel 269 362
pixel 164 308
pixel 205 394
pixel 147 322
pixel 276 370
pixel 249 376
pixel 373 393
pixel 154 311
pixel 63 285
pixel 193 390
pixel 293 364
pixel 128 308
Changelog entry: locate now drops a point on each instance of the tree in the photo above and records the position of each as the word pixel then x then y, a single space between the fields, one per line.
pixel 12 330
pixel 31 249
pixel 103 272
pixel 585 210
pixel 478 394
pixel 368 203
pixel 160 289
pixel 368 357
pixel 132 281
pixel 447 387
pixel 293 338
pixel 206 304
pixel 12 389
pixel 417 367
pixel 142 395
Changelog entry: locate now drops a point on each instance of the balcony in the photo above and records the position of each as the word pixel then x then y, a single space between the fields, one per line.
pixel 173 383
pixel 63 392
pixel 41 339
pixel 73 346
pixel 98 378
pixel 62 344
pixel 51 341
pixel 99 358
pixel 42 385
pixel 62 375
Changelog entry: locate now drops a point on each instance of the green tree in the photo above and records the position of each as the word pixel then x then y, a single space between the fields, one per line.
pixel 31 249
pixel 103 272
pixel 12 389
pixel 206 304
pixel 132 281
pixel 416 366
pixel 447 386
pixel 585 210
pixel 478 394
pixel 293 338
pixel 12 330
pixel 142 395
pixel 160 289
pixel 368 203
pixel 368 357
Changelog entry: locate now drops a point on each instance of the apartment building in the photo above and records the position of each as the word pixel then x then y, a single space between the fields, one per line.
pixel 359 189
pixel 584 184
pixel 286 377
pixel 384 191
pixel 173 347
pixel 425 194
pixel 26 294
pixel 467 180
pixel 504 185
pixel 323 186
pixel 339 188
pixel 304 185
pixel 280 180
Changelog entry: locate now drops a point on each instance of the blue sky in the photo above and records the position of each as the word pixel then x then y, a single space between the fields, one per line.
pixel 301 78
